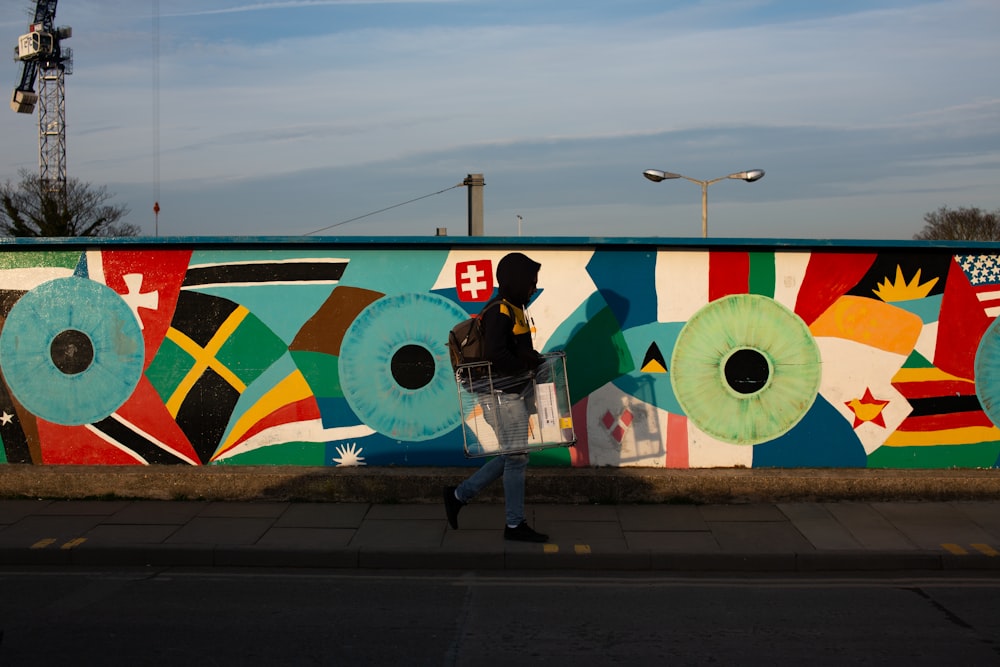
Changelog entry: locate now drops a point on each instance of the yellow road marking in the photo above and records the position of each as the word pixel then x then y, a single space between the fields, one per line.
pixel 955 549
pixel 582 549
pixel 986 549
pixel 41 544
pixel 551 548
pixel 75 542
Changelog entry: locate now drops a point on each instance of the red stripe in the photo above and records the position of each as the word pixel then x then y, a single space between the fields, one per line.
pixel 828 277
pixel 75 445
pixel 677 442
pixel 579 454
pixel 934 388
pixel 946 421
pixel 299 411
pixel 961 325
pixel 728 273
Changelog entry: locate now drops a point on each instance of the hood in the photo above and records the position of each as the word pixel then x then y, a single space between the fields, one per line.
pixel 517 275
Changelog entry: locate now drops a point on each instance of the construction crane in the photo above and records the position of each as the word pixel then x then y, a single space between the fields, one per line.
pixel 43 57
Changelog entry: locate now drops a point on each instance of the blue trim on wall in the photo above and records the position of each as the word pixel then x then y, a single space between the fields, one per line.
pixel 503 241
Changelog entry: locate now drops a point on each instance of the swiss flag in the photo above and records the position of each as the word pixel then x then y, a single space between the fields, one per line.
pixel 474 280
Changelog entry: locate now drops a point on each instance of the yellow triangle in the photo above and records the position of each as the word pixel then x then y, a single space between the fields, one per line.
pixel 653 366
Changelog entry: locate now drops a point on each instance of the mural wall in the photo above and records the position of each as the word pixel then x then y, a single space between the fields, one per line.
pixel 331 353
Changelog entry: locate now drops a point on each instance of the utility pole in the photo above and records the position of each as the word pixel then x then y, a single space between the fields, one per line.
pixel 475 183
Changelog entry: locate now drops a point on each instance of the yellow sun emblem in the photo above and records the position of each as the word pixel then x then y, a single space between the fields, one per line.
pixel 900 290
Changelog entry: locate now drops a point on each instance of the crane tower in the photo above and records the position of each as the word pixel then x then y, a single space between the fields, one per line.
pixel 44 58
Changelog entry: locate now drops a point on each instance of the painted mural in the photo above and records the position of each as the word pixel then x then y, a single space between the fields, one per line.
pixel 334 354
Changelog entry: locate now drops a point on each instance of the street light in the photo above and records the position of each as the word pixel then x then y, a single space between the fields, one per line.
pixel 657 176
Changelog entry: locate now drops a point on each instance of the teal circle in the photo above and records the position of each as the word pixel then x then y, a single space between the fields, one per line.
pixel 987 372
pixel 26 351
pixel 370 344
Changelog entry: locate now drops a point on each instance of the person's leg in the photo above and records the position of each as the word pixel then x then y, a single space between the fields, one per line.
pixel 513 488
pixel 490 472
pixel 513 436
pixel 509 419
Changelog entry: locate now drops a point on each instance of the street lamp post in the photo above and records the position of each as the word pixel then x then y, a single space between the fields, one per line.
pixel 750 176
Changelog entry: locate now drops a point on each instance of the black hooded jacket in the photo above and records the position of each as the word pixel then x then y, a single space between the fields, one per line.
pixel 507 330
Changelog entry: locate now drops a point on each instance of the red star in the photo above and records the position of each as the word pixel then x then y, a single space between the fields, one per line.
pixel 867 409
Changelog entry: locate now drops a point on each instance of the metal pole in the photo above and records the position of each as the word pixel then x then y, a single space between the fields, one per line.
pixel 704 210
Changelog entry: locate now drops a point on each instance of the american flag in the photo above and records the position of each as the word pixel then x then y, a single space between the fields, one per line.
pixel 983 272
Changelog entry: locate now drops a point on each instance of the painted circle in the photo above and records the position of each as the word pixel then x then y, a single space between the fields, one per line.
pixel 71 351
pixel 395 370
pixel 987 372
pixel 745 369
pixel 412 366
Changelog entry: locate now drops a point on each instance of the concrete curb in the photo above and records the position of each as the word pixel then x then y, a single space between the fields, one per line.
pixel 545 485
pixel 512 560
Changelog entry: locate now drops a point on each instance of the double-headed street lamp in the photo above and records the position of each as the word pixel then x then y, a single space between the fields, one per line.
pixel 656 176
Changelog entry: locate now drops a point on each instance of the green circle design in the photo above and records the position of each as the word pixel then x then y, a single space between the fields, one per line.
pixel 387 330
pixel 710 339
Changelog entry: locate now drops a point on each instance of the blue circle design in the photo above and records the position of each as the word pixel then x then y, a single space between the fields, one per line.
pixel 378 333
pixel 26 351
pixel 987 372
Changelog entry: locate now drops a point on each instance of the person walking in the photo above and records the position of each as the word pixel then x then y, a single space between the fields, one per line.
pixel 511 353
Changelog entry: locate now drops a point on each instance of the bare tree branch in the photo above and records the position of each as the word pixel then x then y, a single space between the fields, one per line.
pixel 28 209
pixel 961 224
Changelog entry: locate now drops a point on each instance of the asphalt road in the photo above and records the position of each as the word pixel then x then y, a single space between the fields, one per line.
pixel 255 617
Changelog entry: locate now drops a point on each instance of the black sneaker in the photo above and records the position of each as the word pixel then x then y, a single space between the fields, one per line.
pixel 451 506
pixel 523 533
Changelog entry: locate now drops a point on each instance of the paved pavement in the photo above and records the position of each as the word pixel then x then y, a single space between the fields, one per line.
pixel 851 536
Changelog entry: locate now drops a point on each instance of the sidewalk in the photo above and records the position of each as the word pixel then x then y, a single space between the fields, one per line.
pixel 846 536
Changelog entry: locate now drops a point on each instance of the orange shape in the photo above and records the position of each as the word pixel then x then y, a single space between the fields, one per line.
pixel 870 322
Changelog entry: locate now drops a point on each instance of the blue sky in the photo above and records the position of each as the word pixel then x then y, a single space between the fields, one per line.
pixel 282 118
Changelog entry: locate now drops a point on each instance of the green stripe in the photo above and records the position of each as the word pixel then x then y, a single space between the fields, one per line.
pixel 29 259
pixel 762 273
pixel 979 455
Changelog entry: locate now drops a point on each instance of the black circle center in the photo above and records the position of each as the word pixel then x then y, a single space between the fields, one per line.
pixel 747 371
pixel 412 367
pixel 72 352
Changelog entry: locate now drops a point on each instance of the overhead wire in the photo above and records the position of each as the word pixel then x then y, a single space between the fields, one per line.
pixel 156 143
pixel 382 210
pixel 156 116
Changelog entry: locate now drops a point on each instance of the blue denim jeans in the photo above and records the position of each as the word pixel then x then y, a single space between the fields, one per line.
pixel 507 414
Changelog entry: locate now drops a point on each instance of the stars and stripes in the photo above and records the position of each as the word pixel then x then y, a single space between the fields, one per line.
pixel 983 273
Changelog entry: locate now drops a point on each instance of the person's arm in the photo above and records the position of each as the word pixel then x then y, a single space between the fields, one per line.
pixel 501 349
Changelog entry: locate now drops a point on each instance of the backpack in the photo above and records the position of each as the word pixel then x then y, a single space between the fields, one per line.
pixel 466 341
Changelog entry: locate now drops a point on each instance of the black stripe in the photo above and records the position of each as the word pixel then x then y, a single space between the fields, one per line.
pixel 149 451
pixel 944 405
pixel 265 273
pixel 199 316
pixel 204 413
pixel 15 442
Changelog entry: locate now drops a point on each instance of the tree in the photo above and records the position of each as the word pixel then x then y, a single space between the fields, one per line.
pixel 30 209
pixel 961 224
